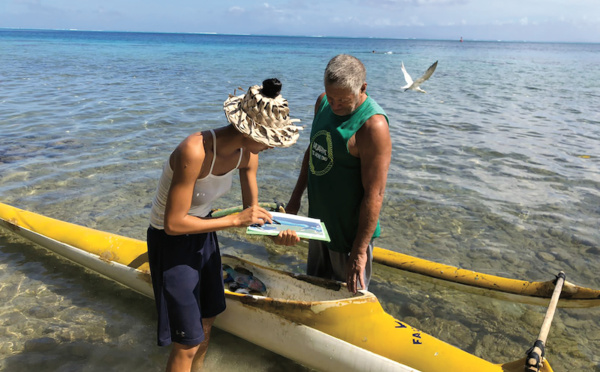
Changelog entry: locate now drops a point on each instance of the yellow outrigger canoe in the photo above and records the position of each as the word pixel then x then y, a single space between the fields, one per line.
pixel 313 321
pixel 515 290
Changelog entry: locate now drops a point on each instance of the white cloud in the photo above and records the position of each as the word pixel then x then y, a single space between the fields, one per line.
pixel 237 10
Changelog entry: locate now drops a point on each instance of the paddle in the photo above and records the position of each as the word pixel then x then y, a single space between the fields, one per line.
pixel 535 355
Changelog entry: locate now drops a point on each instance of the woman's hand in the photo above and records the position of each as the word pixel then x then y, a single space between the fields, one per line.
pixel 287 238
pixel 251 216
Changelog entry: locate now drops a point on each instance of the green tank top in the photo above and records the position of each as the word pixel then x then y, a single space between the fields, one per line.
pixel 335 188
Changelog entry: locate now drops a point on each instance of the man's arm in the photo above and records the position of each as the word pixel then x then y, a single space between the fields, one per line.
pixel 293 205
pixel 374 147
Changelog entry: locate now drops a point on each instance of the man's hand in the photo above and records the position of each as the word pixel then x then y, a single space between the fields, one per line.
pixel 293 206
pixel 355 271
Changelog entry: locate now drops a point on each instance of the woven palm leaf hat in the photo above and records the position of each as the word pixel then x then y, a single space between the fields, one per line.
pixel 263 115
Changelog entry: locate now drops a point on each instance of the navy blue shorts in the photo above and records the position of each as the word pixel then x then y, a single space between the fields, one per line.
pixel 187 279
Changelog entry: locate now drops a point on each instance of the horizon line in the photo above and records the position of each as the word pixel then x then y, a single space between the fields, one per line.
pixel 213 33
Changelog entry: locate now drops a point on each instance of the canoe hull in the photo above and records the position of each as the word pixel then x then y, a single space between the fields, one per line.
pixel 306 345
pixel 325 330
pixel 237 320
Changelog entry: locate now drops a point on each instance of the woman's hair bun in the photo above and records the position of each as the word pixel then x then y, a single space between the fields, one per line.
pixel 271 88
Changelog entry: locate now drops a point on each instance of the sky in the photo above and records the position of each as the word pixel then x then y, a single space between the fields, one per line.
pixel 507 20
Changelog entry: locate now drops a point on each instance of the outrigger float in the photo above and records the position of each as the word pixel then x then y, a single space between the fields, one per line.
pixel 313 321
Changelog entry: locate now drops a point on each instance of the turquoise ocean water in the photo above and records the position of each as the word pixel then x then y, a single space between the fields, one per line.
pixel 496 169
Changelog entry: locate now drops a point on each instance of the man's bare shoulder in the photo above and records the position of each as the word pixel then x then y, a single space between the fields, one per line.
pixel 376 125
pixel 377 120
pixel 373 133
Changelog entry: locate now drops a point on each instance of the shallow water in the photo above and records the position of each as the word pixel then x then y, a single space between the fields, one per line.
pixel 496 169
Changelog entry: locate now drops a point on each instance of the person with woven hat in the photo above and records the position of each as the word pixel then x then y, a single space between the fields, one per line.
pixel 183 250
pixel 345 171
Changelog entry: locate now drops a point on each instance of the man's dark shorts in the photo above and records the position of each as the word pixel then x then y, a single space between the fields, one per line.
pixel 187 279
pixel 328 264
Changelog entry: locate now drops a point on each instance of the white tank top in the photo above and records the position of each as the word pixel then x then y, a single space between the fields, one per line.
pixel 206 190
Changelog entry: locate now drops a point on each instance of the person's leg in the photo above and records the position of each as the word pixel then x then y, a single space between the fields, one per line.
pixel 192 288
pixel 186 358
pixel 369 265
pixel 203 347
pixel 318 263
pixel 181 357
pixel 211 296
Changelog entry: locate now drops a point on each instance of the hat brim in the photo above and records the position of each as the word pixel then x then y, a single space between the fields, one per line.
pixel 284 136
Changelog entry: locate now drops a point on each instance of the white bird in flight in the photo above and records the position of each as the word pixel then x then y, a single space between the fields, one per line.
pixel 414 85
